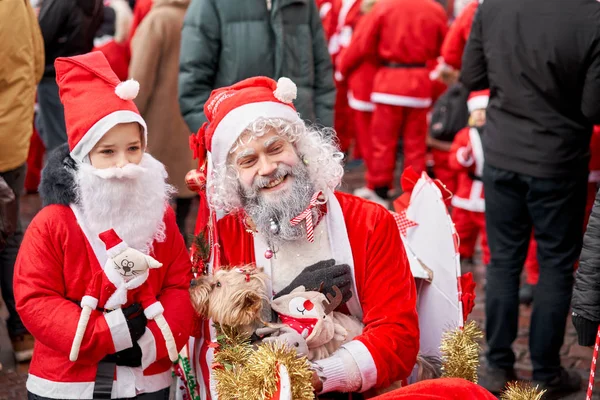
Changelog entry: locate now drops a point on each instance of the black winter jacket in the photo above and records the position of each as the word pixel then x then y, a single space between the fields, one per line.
pixel 68 28
pixel 541 62
pixel 586 294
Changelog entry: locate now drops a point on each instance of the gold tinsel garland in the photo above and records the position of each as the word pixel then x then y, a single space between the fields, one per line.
pixel 242 373
pixel 460 352
pixel 521 391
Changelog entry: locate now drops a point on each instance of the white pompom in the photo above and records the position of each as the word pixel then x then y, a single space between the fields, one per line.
pixel 286 90
pixel 128 90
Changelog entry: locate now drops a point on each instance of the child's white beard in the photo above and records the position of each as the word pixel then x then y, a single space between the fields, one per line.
pixel 131 201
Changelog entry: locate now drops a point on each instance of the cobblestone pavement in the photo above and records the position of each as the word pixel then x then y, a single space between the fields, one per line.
pixel 12 383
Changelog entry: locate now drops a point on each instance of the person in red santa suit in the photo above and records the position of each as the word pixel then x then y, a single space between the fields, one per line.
pixel 347 13
pixel 359 85
pixel 466 157
pixel 101 179
pixel 402 35
pixel 439 389
pixel 274 178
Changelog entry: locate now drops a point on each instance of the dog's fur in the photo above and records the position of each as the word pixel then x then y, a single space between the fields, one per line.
pixel 232 297
pixel 58 185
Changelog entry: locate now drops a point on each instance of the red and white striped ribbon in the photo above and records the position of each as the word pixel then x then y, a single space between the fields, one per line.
pixel 593 367
pixel 307 215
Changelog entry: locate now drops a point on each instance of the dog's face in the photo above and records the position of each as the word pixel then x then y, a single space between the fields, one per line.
pixel 232 297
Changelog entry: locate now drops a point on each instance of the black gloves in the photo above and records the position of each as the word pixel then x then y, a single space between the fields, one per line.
pixel 131 357
pixel 326 273
pixel 136 321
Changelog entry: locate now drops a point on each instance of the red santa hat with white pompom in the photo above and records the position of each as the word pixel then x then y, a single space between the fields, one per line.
pixel 94 99
pixel 114 244
pixel 478 100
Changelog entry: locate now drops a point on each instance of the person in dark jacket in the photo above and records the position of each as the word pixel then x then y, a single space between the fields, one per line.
pixel 226 41
pixel 543 71
pixel 68 28
pixel 586 294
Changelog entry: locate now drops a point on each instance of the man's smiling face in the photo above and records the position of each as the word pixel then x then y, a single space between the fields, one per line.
pixel 264 164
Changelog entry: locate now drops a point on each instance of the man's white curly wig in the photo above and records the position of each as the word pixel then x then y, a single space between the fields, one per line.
pixel 317 147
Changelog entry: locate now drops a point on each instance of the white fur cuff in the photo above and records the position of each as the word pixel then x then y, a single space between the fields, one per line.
pixel 334 373
pixel 148 345
pixel 118 329
pixel 89 301
pixel 462 158
pixel 155 309
pixel 365 362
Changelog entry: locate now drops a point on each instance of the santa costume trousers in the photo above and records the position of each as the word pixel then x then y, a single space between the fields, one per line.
pixel 362 122
pixel 554 208
pixel 388 124
pixel 469 226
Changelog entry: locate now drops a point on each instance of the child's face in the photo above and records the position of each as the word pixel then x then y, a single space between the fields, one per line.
pixel 120 146
pixel 478 117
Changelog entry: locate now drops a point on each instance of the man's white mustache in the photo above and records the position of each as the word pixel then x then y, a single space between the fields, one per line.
pixel 129 171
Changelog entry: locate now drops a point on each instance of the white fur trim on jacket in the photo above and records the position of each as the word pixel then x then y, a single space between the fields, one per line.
pixel 359 105
pixel 402 101
pixel 97 131
pixel 89 301
pixel 154 310
pixel 463 159
pixel 118 329
pixel 475 202
pixel 365 362
pixel 147 344
pixel 116 250
pixel 238 119
pixel 477 147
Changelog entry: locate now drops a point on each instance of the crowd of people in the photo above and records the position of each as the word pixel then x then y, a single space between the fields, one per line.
pixel 122 114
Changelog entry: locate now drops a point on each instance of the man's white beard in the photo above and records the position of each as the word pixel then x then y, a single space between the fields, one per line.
pixel 131 200
pixel 281 208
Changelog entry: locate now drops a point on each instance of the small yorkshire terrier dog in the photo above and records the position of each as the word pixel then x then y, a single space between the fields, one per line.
pixel 232 297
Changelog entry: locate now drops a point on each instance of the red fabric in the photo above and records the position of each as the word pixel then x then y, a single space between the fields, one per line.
pixel 345 16
pixel 110 238
pixel 439 389
pixel 101 288
pixel 387 125
pixel 442 171
pixel 87 79
pixel 467 297
pixel 402 31
pixel 458 34
pixel 117 55
pixel 385 286
pixel 532 268
pixel 470 225
pixel 343 123
pixel 328 10
pixel 35 162
pixel 47 298
pixel 466 188
pixel 362 121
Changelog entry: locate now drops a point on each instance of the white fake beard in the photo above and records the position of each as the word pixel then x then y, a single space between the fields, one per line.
pixel 131 200
pixel 281 208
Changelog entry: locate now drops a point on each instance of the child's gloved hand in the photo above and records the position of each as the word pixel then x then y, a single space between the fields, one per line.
pixel 136 321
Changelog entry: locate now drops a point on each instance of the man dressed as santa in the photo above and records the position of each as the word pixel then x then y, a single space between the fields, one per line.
pixel 274 179
pixel 101 180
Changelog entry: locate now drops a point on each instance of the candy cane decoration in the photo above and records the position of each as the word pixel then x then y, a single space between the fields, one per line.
pixel 593 367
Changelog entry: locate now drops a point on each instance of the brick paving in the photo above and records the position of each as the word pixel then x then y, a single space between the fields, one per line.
pixel 12 383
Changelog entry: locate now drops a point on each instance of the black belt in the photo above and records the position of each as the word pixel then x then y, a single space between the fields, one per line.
pixel 474 177
pixel 402 65
pixel 104 380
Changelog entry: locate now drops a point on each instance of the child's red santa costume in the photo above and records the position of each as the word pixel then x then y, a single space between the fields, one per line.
pixel 466 157
pixel 61 250
pixel 403 35
pixel 353 231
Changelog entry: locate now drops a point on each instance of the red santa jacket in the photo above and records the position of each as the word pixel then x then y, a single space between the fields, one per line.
pixel 327 13
pixel 347 14
pixel 458 34
pixel 466 157
pixel 402 36
pixel 358 71
pixel 385 286
pixel 55 264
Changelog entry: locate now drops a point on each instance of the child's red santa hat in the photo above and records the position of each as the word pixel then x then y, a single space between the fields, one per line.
pixel 95 100
pixel 478 100
pixel 114 244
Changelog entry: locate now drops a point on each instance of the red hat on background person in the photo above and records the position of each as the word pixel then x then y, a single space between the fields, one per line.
pixel 95 100
pixel 478 100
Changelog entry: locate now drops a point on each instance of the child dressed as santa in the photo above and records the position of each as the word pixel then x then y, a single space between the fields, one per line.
pixel 101 179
